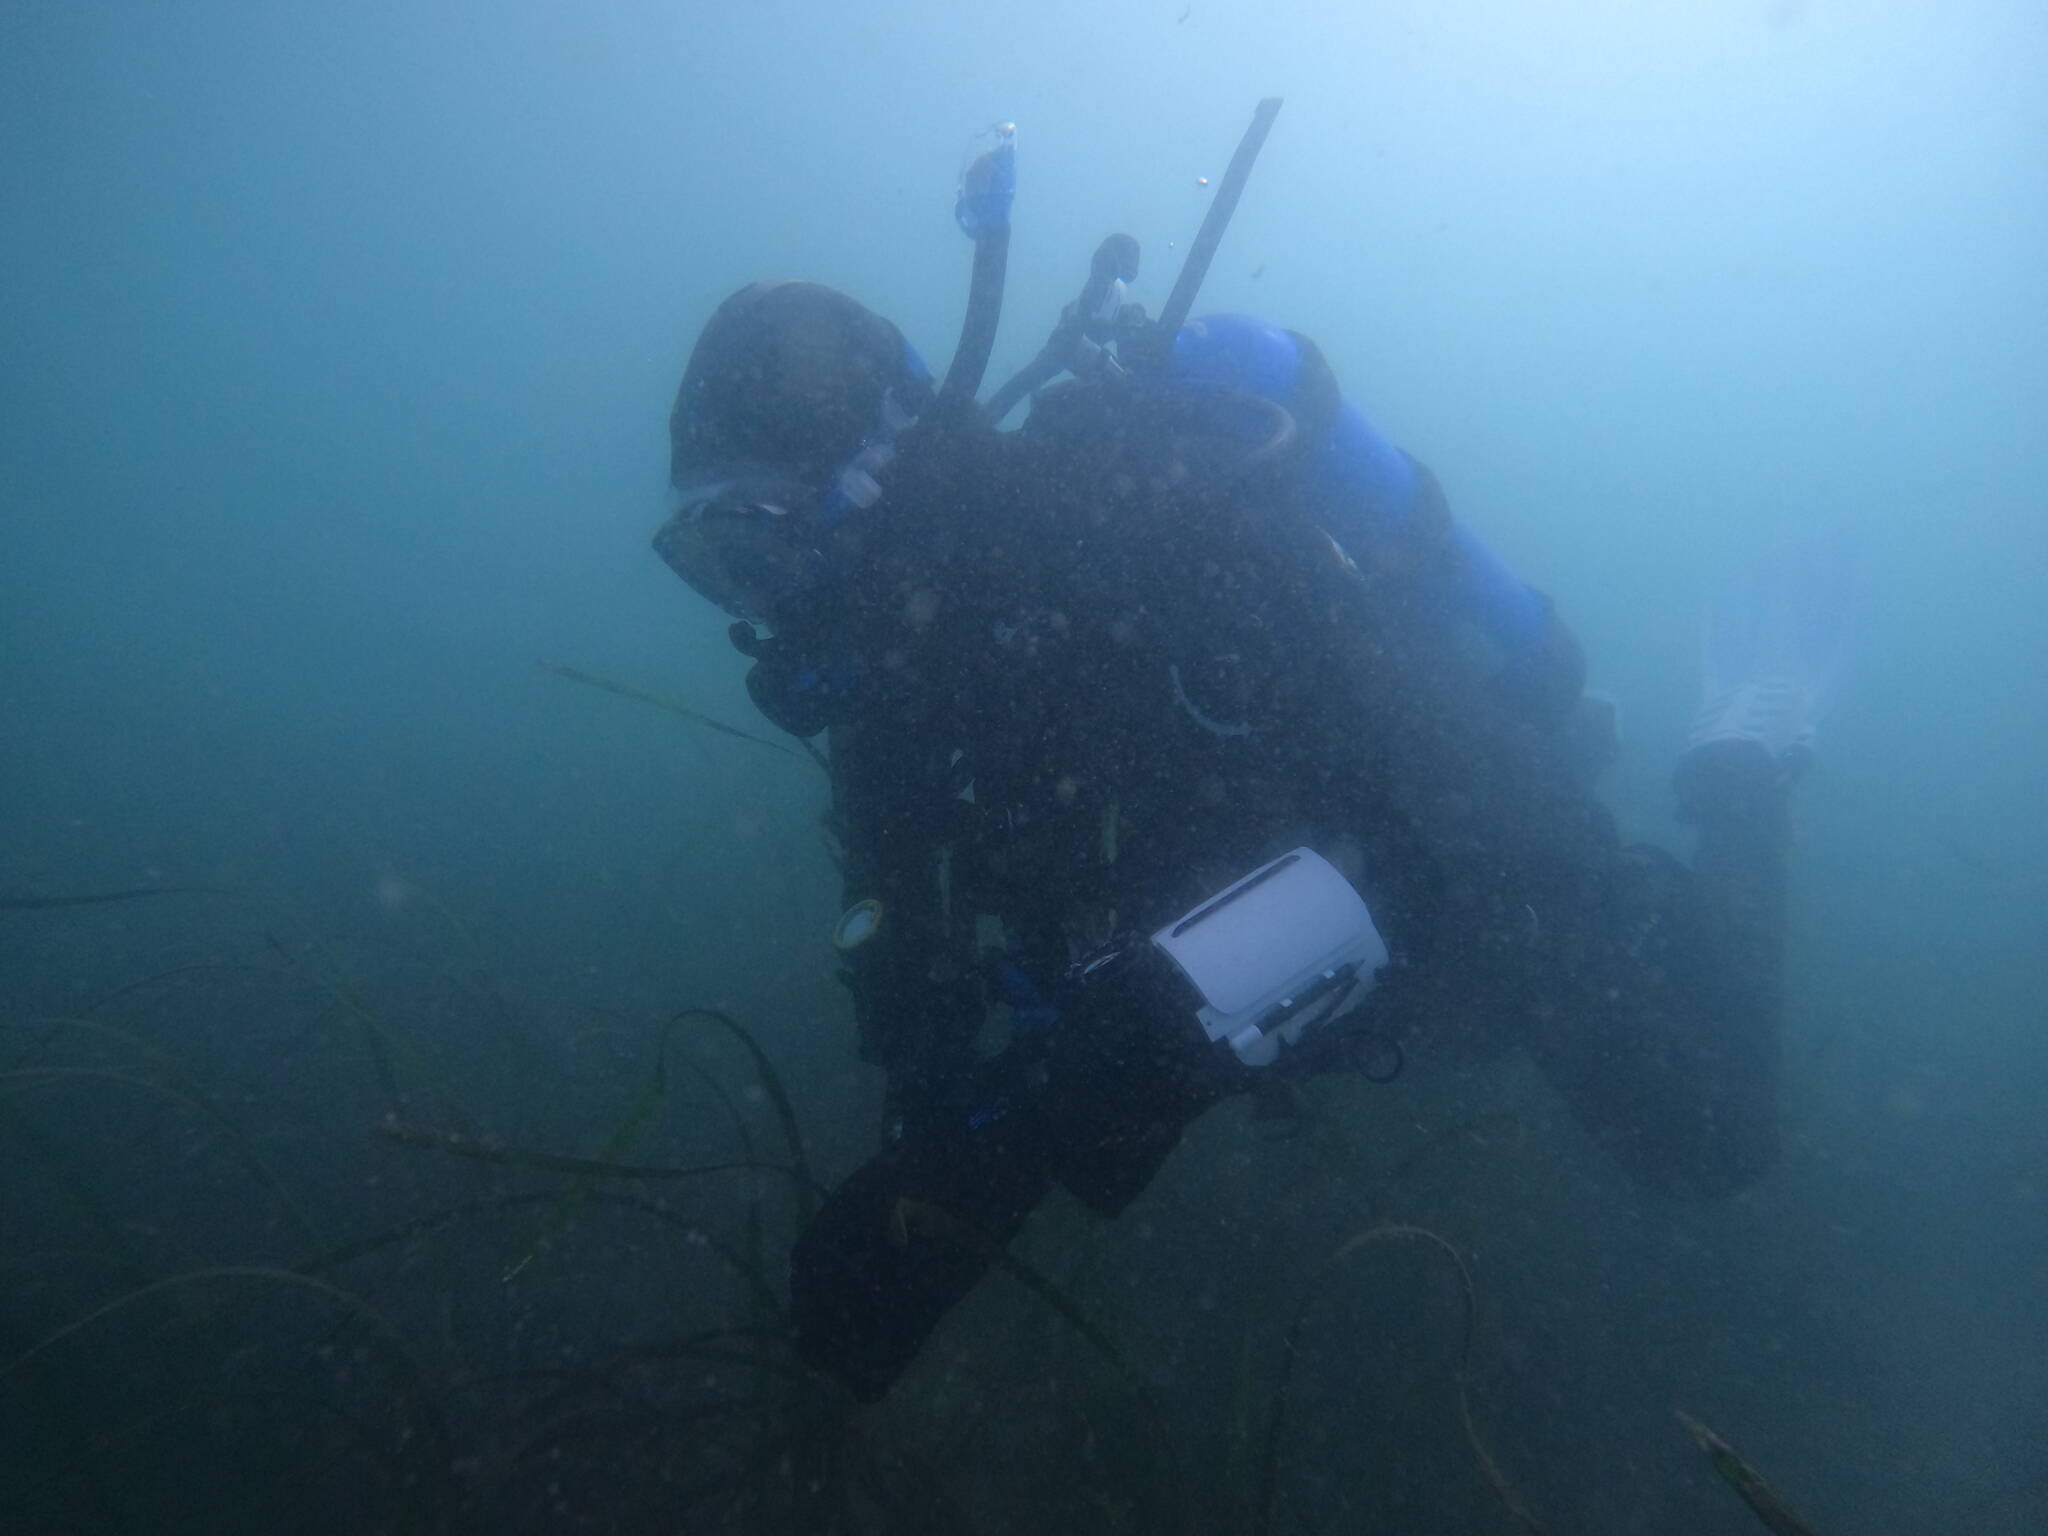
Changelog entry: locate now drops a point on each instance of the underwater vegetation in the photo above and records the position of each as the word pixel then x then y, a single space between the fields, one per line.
pixel 676 707
pixel 337 1234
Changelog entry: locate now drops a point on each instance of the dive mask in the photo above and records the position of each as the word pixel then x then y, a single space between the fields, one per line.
pixel 753 540
pixel 747 541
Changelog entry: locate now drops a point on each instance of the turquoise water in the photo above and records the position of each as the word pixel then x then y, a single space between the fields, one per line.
pixel 339 344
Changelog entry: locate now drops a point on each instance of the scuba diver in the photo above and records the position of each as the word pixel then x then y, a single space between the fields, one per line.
pixel 1181 741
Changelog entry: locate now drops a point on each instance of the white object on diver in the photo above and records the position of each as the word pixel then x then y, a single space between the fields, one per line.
pixel 1287 948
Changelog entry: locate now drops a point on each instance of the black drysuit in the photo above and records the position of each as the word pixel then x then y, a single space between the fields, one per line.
pixel 1110 663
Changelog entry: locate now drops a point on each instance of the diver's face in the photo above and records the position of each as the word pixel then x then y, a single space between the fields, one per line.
pixel 745 541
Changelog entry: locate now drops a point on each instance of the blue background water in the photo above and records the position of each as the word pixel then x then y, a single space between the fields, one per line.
pixel 338 349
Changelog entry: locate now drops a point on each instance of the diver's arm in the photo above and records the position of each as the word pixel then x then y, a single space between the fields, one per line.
pixel 914 1007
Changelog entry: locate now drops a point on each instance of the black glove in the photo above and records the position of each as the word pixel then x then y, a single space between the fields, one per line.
pixel 906 1237
pixel 1096 1102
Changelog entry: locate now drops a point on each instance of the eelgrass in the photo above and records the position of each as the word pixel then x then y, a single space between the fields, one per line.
pixel 647 1105
pixel 665 1407
pixel 799 1422
pixel 676 707
pixel 176 975
pixel 790 1415
pixel 805 1459
pixel 174 1085
pixel 478 1150
pixel 1489 1469
pixel 484 981
pixel 803 1462
pixel 816 1429
pixel 921 1219
pixel 760 1350
pixel 688 1232
pixel 117 1241
pixel 101 898
pixel 616 1146
pixel 722 1420
pixel 771 1084
pixel 427 1480
pixel 764 1309
pixel 1763 1500
pixel 376 1042
pixel 797 1170
pixel 82 1463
